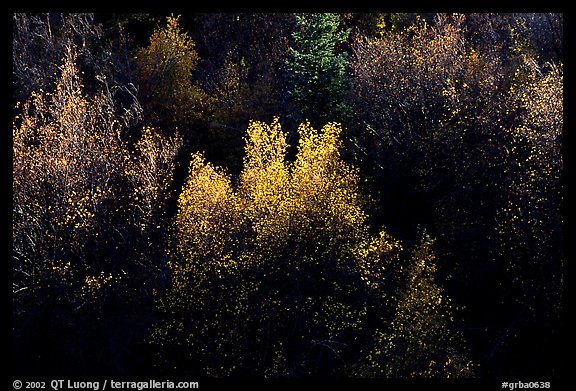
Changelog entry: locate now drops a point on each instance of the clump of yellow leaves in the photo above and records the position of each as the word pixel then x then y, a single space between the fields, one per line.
pixel 93 286
pixel 420 342
pixel 78 186
pixel 164 69
pixel 285 247
pixel 279 270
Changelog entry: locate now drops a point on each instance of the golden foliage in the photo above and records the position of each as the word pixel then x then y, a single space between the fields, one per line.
pixel 532 207
pixel 300 221
pixel 208 214
pixel 419 342
pixel 165 70
pixel 75 178
pixel 149 170
pixel 265 184
pixel 67 184
pixel 324 187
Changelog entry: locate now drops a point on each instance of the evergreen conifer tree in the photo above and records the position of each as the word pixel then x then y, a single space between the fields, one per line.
pixel 318 86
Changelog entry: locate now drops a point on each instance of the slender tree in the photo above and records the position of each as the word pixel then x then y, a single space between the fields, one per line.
pixel 318 86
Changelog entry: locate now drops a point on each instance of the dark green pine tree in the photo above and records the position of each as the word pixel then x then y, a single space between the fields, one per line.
pixel 318 87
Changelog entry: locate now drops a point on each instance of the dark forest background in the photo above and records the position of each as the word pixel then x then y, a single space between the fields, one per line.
pixel 288 195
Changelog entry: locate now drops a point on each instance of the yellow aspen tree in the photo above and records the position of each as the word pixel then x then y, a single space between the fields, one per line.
pixel 270 273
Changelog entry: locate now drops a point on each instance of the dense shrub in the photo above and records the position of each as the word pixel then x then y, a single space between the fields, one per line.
pixel 167 89
pixel 472 132
pixel 89 210
pixel 279 276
